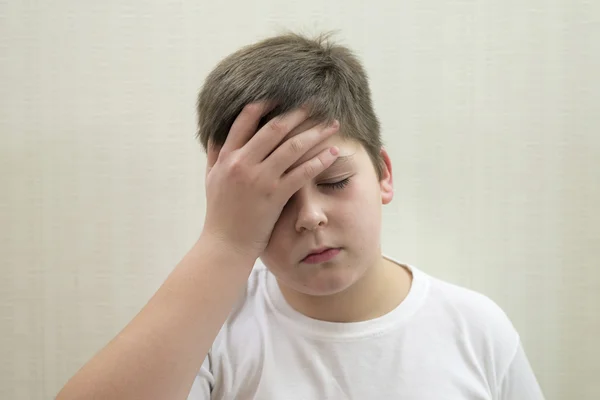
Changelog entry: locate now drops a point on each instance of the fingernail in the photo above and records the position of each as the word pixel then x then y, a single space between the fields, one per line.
pixel 334 151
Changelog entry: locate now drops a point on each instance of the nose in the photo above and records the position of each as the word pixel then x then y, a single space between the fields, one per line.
pixel 310 213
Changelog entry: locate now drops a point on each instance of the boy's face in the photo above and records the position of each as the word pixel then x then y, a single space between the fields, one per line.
pixel 340 210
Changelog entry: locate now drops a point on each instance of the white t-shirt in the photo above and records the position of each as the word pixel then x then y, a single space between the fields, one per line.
pixel 441 342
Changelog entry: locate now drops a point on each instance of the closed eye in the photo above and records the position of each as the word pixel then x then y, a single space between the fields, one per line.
pixel 336 185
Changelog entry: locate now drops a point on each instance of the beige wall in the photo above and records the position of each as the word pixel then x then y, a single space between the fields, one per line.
pixel 490 111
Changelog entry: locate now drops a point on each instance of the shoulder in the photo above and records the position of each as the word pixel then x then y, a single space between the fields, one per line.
pixel 478 323
pixel 477 311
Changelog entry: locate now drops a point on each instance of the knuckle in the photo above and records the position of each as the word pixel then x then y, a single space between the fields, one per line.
pixel 310 171
pixel 296 145
pixel 253 108
pixel 270 188
pixel 304 108
pixel 236 166
pixel 278 125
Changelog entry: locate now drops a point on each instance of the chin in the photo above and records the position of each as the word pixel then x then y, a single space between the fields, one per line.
pixel 322 281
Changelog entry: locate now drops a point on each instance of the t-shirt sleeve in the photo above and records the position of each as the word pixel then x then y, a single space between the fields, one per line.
pixel 203 383
pixel 519 381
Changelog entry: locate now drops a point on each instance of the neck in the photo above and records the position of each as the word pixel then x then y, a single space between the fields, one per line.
pixel 381 289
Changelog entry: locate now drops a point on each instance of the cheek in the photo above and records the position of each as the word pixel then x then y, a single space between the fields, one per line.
pixel 284 224
pixel 363 198
pixel 361 214
pixel 281 237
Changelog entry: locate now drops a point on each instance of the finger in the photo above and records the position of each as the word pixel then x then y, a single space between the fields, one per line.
pixel 310 169
pixel 294 148
pixel 274 131
pixel 245 125
pixel 212 154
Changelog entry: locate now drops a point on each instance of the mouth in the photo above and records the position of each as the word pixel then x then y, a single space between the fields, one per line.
pixel 321 255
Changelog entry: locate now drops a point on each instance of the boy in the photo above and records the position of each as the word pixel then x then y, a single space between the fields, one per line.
pixel 296 178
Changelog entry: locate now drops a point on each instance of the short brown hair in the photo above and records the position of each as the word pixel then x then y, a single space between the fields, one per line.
pixel 291 70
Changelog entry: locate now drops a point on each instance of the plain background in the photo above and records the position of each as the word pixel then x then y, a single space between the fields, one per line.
pixel 490 111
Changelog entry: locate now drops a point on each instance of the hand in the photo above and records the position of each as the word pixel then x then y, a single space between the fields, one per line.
pixel 249 179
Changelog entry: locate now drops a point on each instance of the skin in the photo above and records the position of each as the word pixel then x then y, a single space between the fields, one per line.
pixel 340 208
pixel 256 181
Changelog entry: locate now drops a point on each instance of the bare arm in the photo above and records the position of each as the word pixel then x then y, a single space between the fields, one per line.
pixel 248 183
pixel 158 354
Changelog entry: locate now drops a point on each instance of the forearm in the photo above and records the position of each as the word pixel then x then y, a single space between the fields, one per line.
pixel 158 354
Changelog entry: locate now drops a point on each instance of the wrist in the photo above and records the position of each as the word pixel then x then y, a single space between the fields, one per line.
pixel 225 249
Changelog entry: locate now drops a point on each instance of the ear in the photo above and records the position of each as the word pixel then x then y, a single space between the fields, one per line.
pixel 386 182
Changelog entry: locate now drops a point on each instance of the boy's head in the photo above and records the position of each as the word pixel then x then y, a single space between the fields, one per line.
pixel 292 70
pixel 341 208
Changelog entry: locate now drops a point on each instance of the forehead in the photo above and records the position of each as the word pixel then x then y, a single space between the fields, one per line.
pixel 347 147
